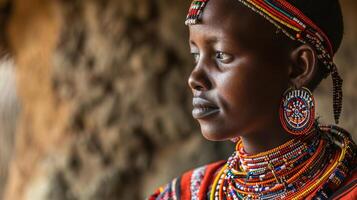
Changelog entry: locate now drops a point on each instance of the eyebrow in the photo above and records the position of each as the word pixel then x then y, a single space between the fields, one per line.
pixel 210 40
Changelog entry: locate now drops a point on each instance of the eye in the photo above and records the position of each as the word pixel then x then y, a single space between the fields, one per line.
pixel 223 57
pixel 196 56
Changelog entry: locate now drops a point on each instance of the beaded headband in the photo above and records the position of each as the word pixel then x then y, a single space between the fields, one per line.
pixel 195 12
pixel 294 24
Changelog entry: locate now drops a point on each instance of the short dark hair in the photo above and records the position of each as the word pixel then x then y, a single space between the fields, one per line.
pixel 326 14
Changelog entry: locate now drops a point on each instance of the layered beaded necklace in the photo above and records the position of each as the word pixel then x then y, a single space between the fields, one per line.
pixel 316 163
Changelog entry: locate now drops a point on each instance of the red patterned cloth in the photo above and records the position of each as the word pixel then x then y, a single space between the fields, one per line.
pixel 193 184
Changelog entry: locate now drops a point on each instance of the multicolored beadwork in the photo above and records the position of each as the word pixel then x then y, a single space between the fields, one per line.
pixel 297 26
pixel 337 94
pixel 313 164
pixel 195 12
pixel 197 176
pixel 297 111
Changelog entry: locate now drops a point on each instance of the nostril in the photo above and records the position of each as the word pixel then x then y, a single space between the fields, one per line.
pixel 199 79
pixel 196 84
pixel 198 88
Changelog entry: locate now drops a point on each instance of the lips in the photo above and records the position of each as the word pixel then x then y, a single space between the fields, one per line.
pixel 203 108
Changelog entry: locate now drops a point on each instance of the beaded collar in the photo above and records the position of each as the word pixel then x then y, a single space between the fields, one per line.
pixel 313 164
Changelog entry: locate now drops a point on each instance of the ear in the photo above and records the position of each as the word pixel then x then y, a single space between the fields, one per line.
pixel 303 66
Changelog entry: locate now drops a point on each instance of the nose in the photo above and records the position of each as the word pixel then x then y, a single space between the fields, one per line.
pixel 199 79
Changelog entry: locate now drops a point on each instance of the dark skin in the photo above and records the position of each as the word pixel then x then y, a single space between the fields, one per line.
pixel 243 67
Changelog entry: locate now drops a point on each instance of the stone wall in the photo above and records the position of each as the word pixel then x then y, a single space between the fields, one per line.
pixel 105 104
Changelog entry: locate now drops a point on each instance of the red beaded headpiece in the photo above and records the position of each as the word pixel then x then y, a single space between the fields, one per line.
pixel 195 11
pixel 294 24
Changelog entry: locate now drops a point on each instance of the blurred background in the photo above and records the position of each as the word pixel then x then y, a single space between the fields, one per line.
pixel 94 102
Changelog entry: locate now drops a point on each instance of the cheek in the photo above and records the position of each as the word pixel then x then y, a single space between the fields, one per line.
pixel 269 79
pixel 247 91
pixel 234 90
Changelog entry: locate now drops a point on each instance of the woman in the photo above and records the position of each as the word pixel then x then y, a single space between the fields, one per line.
pixel 256 63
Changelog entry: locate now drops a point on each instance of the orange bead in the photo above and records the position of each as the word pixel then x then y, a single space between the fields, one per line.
pixel 298 35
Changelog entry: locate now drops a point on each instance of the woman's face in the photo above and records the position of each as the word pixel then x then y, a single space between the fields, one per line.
pixel 240 72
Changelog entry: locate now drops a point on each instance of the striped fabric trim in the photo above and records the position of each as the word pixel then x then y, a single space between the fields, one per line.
pixel 196 179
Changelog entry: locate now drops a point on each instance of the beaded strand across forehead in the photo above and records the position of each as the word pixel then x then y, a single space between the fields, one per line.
pixel 294 24
pixel 195 12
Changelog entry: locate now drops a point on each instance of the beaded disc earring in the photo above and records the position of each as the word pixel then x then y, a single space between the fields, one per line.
pixel 297 111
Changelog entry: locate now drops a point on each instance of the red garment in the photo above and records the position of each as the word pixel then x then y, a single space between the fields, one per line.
pixel 191 185
pixel 348 190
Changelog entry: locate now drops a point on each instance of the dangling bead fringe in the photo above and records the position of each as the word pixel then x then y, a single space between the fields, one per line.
pixel 337 93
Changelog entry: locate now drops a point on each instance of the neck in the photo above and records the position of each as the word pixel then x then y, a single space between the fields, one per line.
pixel 264 140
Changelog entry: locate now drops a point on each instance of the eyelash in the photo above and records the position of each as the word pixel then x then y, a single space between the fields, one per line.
pixel 196 57
pixel 218 55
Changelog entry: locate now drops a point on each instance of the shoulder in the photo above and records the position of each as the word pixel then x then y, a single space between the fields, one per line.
pixel 348 190
pixel 193 183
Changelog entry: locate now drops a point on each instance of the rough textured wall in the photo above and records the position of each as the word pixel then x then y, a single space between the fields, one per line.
pixel 103 87
pixel 9 105
pixel 9 109
pixel 105 106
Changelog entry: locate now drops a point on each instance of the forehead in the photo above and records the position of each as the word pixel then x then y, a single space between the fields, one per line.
pixel 228 19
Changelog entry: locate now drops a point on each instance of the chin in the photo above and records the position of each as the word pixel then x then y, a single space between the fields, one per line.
pixel 214 133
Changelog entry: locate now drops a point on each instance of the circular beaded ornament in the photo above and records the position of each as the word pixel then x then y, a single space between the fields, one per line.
pixel 297 111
